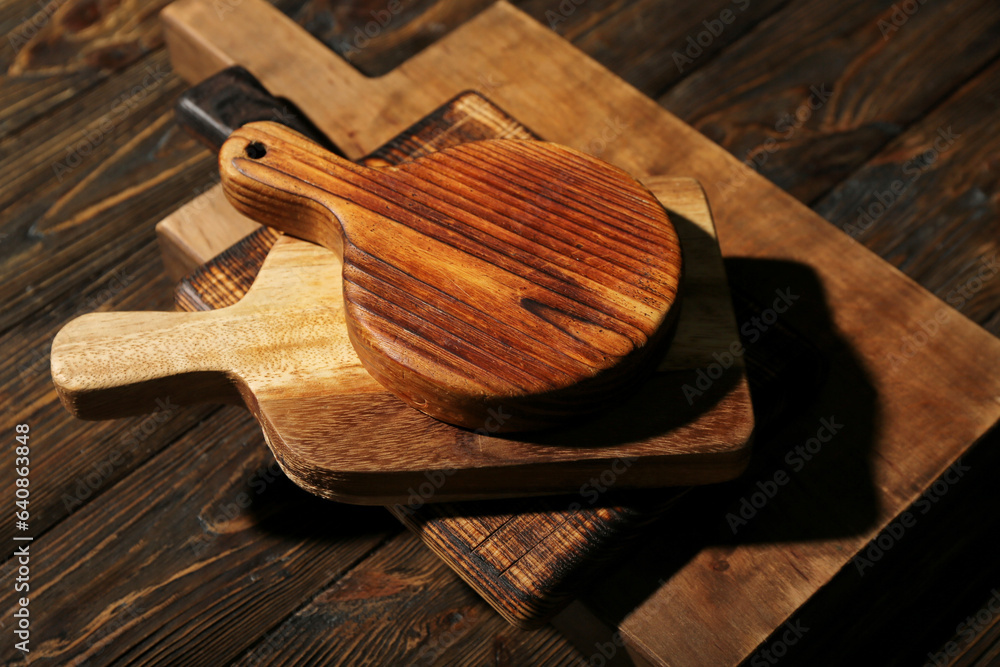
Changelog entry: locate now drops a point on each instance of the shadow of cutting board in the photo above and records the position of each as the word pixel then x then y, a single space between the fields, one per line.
pixel 689 598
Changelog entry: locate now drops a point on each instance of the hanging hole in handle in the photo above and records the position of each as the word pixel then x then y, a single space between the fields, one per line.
pixel 256 150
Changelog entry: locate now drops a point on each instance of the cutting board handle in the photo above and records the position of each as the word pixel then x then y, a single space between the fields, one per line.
pixel 271 173
pixel 110 365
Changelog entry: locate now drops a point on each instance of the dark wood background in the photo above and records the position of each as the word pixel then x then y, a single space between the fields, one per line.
pixel 90 159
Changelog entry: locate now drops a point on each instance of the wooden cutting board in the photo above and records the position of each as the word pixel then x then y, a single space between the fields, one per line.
pixel 501 276
pixel 689 598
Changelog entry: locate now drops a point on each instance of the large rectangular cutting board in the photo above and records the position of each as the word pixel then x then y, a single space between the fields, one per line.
pixel 905 421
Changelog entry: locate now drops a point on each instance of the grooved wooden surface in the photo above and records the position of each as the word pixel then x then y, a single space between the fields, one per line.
pixel 498 276
pixel 84 242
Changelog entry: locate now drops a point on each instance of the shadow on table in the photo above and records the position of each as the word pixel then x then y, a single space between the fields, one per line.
pixel 810 476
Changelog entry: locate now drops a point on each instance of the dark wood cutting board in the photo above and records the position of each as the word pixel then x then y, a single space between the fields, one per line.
pixel 496 276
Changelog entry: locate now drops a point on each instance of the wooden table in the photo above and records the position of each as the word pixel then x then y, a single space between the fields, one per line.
pixel 91 159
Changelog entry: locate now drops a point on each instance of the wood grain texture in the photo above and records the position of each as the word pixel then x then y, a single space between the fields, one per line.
pixel 649 43
pixel 436 620
pixel 963 594
pixel 954 196
pixel 496 277
pixel 560 542
pixel 52 276
pixel 807 122
pixel 54 53
pixel 66 200
pixel 187 243
pixel 151 554
pixel 190 514
pixel 938 180
pixel 40 295
pixel 184 241
pixel 376 37
pixel 676 445
pixel 915 452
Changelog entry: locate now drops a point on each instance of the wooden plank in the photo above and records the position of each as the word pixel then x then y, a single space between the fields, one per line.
pixel 930 185
pixel 842 272
pixel 806 122
pixel 435 620
pixel 196 554
pixel 55 52
pixel 649 43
